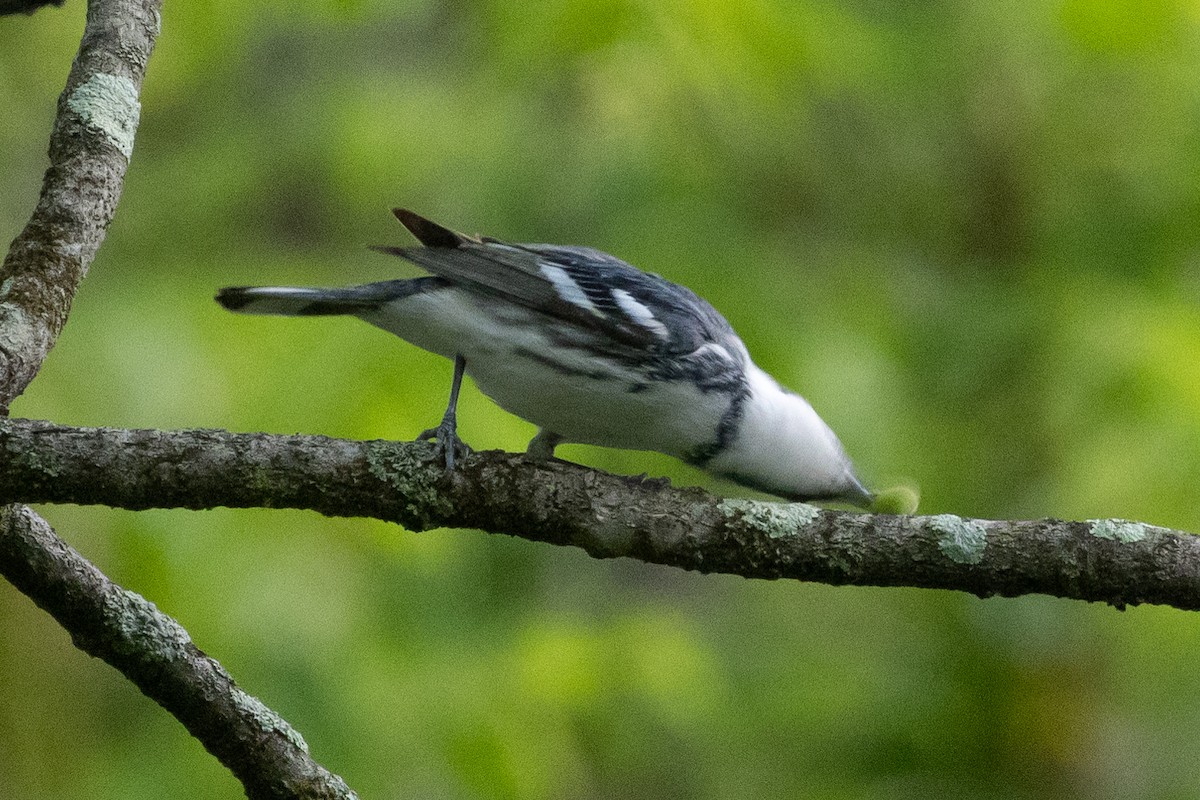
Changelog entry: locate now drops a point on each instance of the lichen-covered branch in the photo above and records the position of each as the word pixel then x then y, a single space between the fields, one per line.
pixel 90 148
pixel 155 652
pixel 1113 561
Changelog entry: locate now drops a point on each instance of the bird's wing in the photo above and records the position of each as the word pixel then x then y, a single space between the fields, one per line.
pixel 623 308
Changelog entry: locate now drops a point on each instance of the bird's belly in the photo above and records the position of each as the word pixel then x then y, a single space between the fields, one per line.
pixel 612 410
pixel 562 389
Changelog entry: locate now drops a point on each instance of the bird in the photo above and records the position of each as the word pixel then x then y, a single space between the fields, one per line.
pixel 591 350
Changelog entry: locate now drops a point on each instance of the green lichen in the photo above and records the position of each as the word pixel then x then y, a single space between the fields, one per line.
pixel 141 627
pixel 108 104
pixel 267 719
pixel 1120 530
pixel 263 483
pixel 961 540
pixel 136 627
pixel 18 334
pixel 391 464
pixel 36 466
pixel 774 519
pixel 395 464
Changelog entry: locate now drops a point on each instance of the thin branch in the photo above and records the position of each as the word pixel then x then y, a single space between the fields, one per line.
pixel 1113 561
pixel 156 653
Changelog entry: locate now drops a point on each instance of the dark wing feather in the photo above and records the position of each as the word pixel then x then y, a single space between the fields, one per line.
pixel 690 321
pixel 428 232
pixel 514 272
pixel 514 275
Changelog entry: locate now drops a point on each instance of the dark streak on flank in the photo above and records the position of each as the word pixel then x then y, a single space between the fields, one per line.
pixel 561 368
pixel 726 430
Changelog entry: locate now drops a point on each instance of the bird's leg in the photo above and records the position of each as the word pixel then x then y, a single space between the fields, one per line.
pixel 446 433
pixel 541 447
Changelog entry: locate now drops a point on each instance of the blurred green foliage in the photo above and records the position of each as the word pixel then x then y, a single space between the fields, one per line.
pixel 966 231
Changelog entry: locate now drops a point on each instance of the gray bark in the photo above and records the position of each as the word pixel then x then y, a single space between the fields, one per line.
pixel 90 148
pixel 154 651
pixel 1113 561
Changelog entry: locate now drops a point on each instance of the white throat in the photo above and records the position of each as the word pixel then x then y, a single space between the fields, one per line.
pixel 784 448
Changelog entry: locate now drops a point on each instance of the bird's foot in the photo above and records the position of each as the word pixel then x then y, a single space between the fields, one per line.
pixel 541 447
pixel 447 445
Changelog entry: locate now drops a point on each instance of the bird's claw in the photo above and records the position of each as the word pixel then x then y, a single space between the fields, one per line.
pixel 447 445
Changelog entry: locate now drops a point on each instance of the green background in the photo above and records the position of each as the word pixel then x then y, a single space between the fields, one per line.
pixel 966 231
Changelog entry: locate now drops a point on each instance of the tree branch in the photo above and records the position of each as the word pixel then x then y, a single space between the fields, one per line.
pixel 156 653
pixel 90 148
pixel 1113 561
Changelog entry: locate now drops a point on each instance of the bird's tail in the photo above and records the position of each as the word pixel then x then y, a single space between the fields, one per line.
pixel 294 301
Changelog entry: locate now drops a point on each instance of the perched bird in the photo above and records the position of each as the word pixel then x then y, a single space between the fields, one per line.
pixel 592 350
